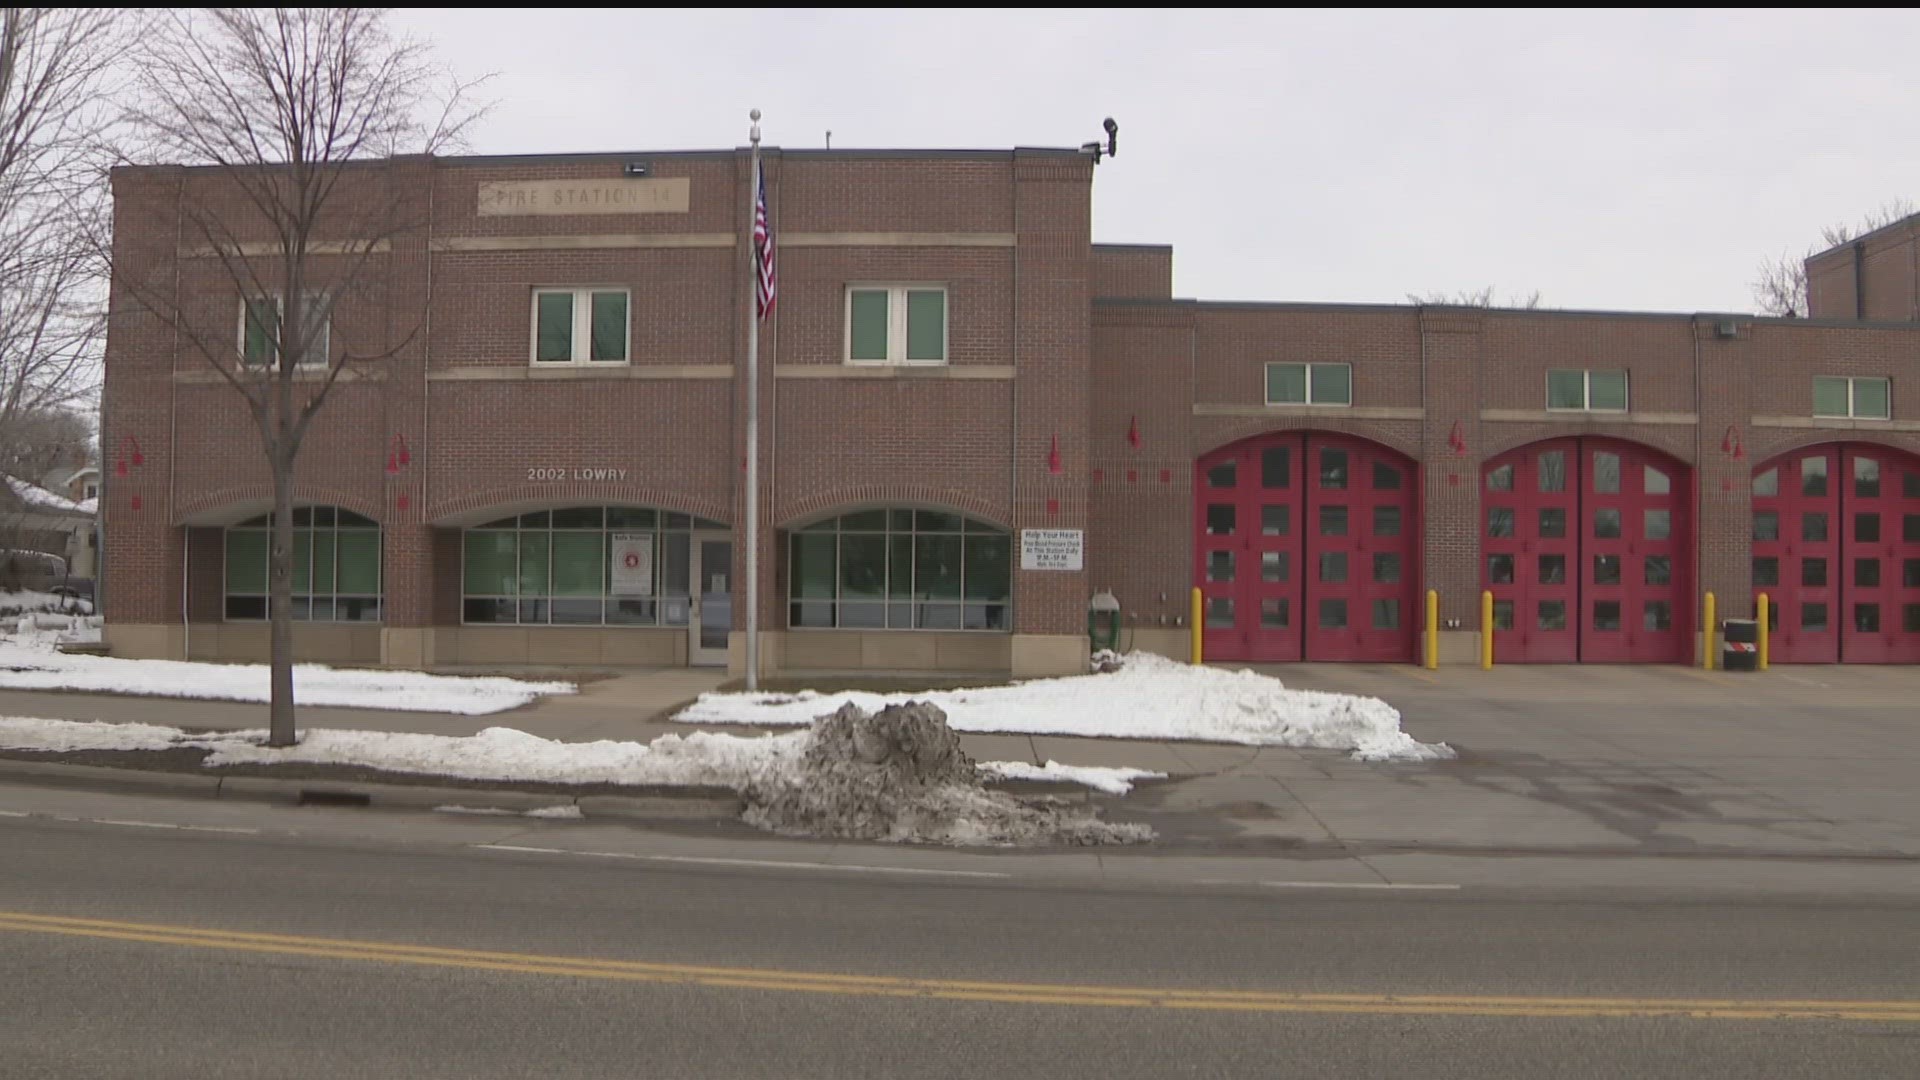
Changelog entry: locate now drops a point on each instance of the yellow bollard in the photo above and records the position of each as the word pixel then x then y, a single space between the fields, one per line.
pixel 1433 630
pixel 1761 610
pixel 1194 621
pixel 1706 636
pixel 1486 630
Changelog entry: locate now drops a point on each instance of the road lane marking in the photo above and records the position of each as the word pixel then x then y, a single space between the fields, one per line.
pixel 234 830
pixel 1416 885
pixel 1261 1001
pixel 775 864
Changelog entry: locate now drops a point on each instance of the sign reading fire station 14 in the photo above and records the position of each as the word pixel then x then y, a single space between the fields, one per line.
pixel 1051 549
pixel 550 198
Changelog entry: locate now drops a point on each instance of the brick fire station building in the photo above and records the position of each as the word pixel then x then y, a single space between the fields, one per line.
pixel 973 420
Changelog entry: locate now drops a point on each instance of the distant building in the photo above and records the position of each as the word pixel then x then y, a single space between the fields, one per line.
pixel 35 519
pixel 974 418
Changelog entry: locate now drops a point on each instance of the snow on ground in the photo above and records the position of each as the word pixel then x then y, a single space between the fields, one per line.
pixel 568 812
pixel 29 662
pixel 697 759
pixel 15 601
pixel 1149 698
pixel 1111 781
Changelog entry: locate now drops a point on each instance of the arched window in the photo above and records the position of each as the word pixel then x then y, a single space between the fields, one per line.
pixel 580 566
pixel 900 570
pixel 336 566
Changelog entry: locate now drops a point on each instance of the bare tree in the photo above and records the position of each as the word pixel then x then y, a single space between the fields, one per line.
pixel 1780 283
pixel 285 109
pixel 1474 298
pixel 56 79
pixel 38 443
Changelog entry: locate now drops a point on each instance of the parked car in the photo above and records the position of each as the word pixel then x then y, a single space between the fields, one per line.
pixel 22 570
pixel 75 588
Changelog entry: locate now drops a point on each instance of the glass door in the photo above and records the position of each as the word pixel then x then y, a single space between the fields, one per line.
pixel 713 614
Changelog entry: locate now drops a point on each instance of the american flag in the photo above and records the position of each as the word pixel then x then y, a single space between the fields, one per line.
pixel 764 275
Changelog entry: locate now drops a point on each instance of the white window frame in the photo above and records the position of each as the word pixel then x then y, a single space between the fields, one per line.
pixel 323 348
pixel 1853 408
pixel 582 326
pixel 1266 389
pixel 897 323
pixel 1586 390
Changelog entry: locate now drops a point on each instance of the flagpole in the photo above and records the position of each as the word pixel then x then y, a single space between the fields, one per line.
pixel 753 421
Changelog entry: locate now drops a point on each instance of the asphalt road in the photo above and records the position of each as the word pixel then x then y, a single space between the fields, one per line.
pixel 551 966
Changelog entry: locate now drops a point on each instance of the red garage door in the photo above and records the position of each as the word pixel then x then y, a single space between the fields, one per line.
pixel 1304 548
pixel 1836 547
pixel 1586 545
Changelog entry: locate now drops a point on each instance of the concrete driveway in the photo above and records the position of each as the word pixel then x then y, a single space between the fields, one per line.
pixel 1795 762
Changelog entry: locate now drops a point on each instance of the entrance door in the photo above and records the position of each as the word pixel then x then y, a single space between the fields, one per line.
pixel 1531 553
pixel 713 613
pixel 1836 546
pixel 1585 548
pixel 1304 549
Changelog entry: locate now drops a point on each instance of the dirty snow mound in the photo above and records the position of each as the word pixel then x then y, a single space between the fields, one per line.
pixel 899 774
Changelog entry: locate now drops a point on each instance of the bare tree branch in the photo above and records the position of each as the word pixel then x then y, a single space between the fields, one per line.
pixel 290 113
pixel 1780 283
pixel 1474 298
pixel 56 77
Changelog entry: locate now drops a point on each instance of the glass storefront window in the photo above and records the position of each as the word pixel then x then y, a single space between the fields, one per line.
pixel 900 570
pixel 556 567
pixel 336 566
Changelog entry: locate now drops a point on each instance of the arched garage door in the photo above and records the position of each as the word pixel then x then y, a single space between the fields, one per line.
pixel 1305 547
pixel 1836 548
pixel 1586 544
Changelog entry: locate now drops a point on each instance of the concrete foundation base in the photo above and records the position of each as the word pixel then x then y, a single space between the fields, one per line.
pixel 872 650
pixel 136 641
pixel 1041 655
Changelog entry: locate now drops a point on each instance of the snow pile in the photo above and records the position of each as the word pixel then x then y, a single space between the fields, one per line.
pixel 1150 697
pixel 28 662
pixel 27 600
pixel 42 628
pixel 900 775
pixel 699 759
pixel 66 736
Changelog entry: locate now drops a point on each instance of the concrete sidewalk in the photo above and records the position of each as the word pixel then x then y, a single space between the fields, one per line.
pixel 1797 763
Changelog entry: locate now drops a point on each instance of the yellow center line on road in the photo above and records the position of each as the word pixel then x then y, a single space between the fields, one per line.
pixel 951 989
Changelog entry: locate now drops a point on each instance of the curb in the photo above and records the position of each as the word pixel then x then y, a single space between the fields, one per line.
pixel 647 804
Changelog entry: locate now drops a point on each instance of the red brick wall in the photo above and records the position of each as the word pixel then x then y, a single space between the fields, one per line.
pixel 1133 271
pixel 826 444
pixel 1889 262
pixel 1449 387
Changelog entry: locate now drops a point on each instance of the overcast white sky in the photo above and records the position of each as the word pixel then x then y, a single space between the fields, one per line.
pixel 1637 160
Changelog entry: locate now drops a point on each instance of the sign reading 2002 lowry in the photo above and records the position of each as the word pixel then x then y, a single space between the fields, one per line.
pixel 1051 549
pixel 555 198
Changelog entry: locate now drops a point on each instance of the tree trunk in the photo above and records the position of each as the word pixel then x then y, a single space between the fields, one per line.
pixel 280 729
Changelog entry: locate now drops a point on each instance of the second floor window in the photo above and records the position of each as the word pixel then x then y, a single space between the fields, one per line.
pixel 1586 391
pixel 896 324
pixel 260 330
pixel 1860 399
pixel 1309 384
pixel 580 326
